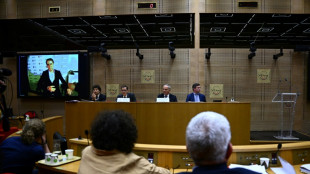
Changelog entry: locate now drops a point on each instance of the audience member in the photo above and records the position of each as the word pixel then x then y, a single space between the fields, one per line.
pixel 126 94
pixel 166 94
pixel 19 154
pixel 113 134
pixel 208 143
pixel 196 96
pixel 96 95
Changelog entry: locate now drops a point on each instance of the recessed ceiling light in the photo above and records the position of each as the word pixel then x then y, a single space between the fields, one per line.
pixel 167 29
pixel 218 29
pixel 77 31
pixel 121 30
pixel 265 29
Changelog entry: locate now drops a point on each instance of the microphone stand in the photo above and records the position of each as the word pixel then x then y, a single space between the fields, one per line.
pixel 86 133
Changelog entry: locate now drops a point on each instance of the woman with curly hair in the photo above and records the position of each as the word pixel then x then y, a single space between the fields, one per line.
pixel 113 134
pixel 19 154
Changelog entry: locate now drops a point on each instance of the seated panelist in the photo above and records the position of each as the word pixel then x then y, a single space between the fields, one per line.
pixel 126 94
pixel 96 95
pixel 196 96
pixel 166 94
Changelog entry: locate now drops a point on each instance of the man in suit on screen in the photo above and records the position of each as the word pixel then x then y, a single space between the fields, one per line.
pixel 49 81
pixel 196 96
pixel 126 94
pixel 166 94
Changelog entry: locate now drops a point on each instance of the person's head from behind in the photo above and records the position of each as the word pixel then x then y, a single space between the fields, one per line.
pixel 33 131
pixel 50 64
pixel 166 89
pixel 196 88
pixel 114 130
pixel 208 138
pixel 96 89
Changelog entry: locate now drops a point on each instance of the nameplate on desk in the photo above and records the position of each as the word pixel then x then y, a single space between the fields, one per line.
pixel 123 100
pixel 162 100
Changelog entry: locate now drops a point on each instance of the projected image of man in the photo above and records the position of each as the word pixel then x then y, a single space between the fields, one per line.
pixel 49 81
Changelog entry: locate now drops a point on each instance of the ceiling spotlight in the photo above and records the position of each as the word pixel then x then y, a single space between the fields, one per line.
pixel 276 56
pixel 208 54
pixel 171 49
pixel 252 50
pixel 138 53
pixel 104 51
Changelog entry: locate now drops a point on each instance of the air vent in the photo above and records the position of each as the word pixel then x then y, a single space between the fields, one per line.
pixel 121 30
pixel 224 15
pixel 77 31
pixel 248 4
pixel 108 17
pixel 265 29
pixel 281 15
pixel 164 15
pixel 218 29
pixel 167 29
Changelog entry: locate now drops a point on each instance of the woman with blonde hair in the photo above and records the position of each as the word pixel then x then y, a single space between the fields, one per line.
pixel 19 154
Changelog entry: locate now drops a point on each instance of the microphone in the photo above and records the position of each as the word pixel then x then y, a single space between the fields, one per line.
pixel 5 72
pixel 279 147
pixel 86 133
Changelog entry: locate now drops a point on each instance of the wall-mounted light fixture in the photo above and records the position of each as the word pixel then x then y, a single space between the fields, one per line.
pixel 138 53
pixel 208 54
pixel 252 50
pixel 104 51
pixel 276 56
pixel 171 49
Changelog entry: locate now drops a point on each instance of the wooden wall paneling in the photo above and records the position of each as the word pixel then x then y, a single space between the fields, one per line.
pixel 219 6
pixel 3 11
pixel 175 6
pixel 99 7
pixel 80 7
pixel 277 6
pixel 306 6
pixel 116 7
pixel 28 9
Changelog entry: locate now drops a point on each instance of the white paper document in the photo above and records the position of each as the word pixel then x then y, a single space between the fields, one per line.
pixel 255 168
pixel 123 100
pixel 286 168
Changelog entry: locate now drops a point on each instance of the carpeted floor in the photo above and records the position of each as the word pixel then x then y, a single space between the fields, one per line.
pixel 269 136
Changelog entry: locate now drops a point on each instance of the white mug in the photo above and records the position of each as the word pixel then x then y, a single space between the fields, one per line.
pixel 69 153
pixel 54 159
pixel 48 158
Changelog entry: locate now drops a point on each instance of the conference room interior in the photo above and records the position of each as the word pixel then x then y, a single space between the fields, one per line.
pixel 214 43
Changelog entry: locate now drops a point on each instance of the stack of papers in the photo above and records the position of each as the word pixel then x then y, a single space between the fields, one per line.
pixel 305 168
pixel 255 168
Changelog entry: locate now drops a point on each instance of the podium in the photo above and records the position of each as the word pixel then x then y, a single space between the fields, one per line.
pixel 288 101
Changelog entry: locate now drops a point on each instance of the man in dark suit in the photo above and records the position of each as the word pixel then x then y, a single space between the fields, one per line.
pixel 196 96
pixel 166 94
pixel 96 95
pixel 126 94
pixel 49 81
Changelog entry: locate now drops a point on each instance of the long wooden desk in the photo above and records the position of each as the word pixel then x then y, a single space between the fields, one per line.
pixel 160 123
pixel 72 168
